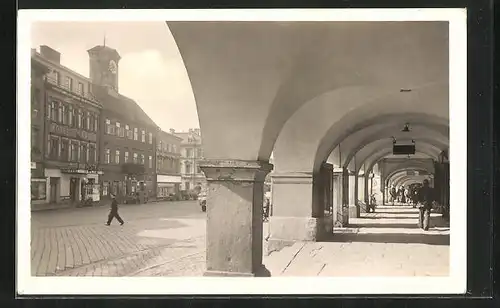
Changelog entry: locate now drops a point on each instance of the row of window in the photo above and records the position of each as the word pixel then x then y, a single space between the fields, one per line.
pixel 68 82
pixel 167 164
pixel 118 130
pixel 190 152
pixel 172 148
pixel 136 158
pixel 67 114
pixel 65 149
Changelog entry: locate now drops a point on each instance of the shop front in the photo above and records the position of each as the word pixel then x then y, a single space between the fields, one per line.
pixel 80 184
pixel 128 183
pixel 38 184
pixel 167 185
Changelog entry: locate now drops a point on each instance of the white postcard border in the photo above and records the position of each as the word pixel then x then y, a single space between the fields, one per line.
pixel 454 284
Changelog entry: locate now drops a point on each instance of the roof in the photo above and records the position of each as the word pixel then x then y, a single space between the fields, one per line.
pixel 122 105
pixel 100 48
pixel 162 132
pixel 187 135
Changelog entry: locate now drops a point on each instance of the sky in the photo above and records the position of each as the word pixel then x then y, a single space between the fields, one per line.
pixel 151 70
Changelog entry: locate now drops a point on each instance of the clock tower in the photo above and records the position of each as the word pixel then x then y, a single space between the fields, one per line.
pixel 104 66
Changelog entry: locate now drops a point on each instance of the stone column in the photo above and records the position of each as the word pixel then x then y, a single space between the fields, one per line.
pixel 345 197
pixel 361 194
pixel 337 198
pixel 353 209
pixel 298 209
pixel 234 217
pixel 367 182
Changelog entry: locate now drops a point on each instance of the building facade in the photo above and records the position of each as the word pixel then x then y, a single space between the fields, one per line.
pixel 38 180
pixel 168 171
pixel 191 153
pixel 128 137
pixel 70 133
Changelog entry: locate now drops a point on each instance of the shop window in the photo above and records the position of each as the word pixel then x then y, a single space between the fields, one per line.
pixel 38 189
pixel 150 161
pixel 107 156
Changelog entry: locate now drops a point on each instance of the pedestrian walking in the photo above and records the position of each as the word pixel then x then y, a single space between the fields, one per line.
pixel 425 198
pixel 113 213
pixel 394 194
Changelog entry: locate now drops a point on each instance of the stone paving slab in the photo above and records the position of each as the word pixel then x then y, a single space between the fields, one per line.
pixel 396 247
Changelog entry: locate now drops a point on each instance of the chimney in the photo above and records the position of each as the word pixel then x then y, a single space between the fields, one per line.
pixel 172 131
pixel 50 54
pixel 190 130
pixel 197 131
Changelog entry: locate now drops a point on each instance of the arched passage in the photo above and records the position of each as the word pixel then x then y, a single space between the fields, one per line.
pixel 298 89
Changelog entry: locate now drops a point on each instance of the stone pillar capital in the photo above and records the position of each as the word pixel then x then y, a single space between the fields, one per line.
pixel 219 170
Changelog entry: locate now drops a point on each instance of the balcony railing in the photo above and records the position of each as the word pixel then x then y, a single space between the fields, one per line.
pixel 86 95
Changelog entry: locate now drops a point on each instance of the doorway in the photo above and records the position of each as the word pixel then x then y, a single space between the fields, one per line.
pixel 54 183
pixel 73 189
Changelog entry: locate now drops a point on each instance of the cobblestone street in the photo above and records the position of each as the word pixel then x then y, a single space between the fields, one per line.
pixel 168 239
pixel 75 242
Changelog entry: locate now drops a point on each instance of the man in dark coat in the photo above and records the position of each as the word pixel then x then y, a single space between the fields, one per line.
pixel 425 199
pixel 113 213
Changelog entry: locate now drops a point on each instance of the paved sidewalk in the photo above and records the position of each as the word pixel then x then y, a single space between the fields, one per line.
pixel 386 243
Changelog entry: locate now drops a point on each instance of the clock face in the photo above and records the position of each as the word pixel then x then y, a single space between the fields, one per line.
pixel 112 67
